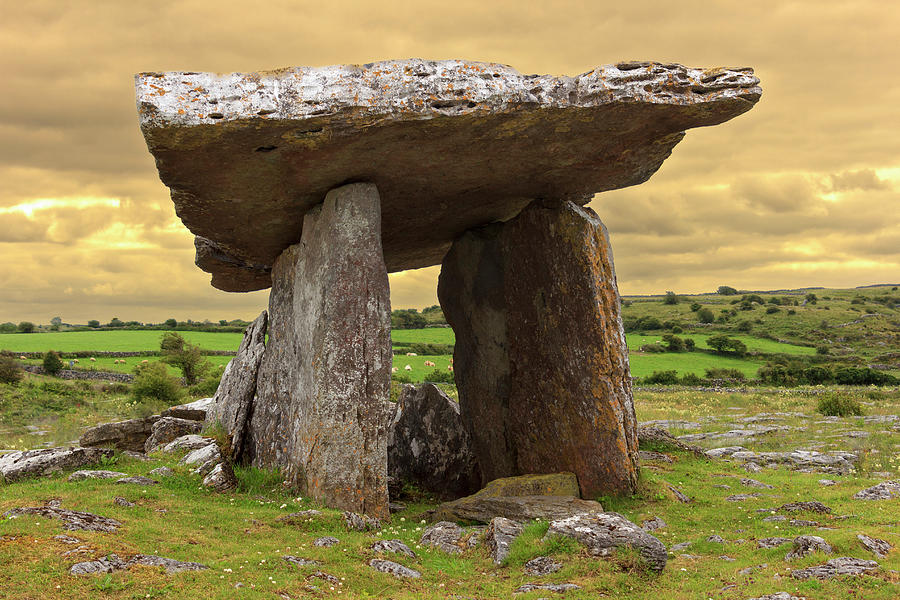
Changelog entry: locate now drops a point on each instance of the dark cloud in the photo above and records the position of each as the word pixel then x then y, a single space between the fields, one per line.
pixel 864 179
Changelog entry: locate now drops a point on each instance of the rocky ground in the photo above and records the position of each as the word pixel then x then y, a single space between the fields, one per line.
pixel 775 502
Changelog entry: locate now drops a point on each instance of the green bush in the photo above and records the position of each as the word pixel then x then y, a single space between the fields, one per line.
pixel 744 326
pixel 183 355
pixel 816 375
pixel 689 344
pixel 723 373
pixel 205 388
pixel 835 405
pixel 153 382
pixel 662 378
pixel 655 347
pixel 673 343
pixel 671 298
pixel 438 376
pixel 725 344
pixel 705 315
pixel 10 371
pixel 772 310
pixel 52 363
pixel 695 306
pixel 726 290
pixel 691 379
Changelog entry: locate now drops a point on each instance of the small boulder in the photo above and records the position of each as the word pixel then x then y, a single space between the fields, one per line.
pixel 72 520
pixel 805 545
pixel 29 463
pixel 121 435
pixel 120 501
pixel 885 490
pixel 355 522
pixel 449 537
pixel 138 480
pixel 204 459
pixel 167 429
pixel 812 506
pixel 82 475
pixel 162 472
pixel 325 542
pixel 298 518
pixel 772 542
pixel 517 508
pixel 603 533
pixel 191 441
pixel 542 565
pixel 107 564
pixel 221 478
pixel 777 596
pixel 879 548
pixel 395 569
pixel 395 546
pixel 754 483
pixel 500 534
pixel 550 587
pixel 300 562
pixel 169 564
pixel 844 565
pixel 192 411
pixel 652 524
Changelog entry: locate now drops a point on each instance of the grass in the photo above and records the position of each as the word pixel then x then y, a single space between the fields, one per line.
pixel 238 536
pixel 112 341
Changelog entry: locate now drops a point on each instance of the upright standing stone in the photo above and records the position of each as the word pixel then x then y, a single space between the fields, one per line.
pixel 541 362
pixel 320 407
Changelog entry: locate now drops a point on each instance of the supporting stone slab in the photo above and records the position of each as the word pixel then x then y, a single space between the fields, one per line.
pixel 320 411
pixel 541 362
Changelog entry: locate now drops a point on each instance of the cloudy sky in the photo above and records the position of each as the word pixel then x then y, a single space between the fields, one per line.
pixel 803 190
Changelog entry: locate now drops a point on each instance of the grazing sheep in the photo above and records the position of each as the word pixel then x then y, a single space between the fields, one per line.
pixel 75 361
pixel 411 354
pixel 394 369
pixel 93 359
pixel 450 367
pixel 23 358
pixel 145 361
pixel 428 363
pixel 407 368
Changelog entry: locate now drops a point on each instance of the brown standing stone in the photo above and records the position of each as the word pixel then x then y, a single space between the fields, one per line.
pixel 541 362
pixel 320 407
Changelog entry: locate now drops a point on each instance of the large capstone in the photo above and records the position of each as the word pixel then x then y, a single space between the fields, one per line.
pixel 231 405
pixel 428 446
pixel 540 361
pixel 319 413
pixel 450 144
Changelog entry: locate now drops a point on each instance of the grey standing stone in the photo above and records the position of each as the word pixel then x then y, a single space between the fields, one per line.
pixel 231 406
pixel 540 358
pixel 29 463
pixel 603 533
pixel 428 445
pixel 121 435
pixel 500 534
pixel 167 429
pixel 320 409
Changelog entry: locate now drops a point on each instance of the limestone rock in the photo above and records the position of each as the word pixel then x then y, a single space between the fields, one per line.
pixel 167 429
pixel 805 545
pixel 885 490
pixel 122 435
pixel 777 596
pixel 191 441
pixel 879 548
pixel 123 502
pixel 546 484
pixel 298 518
pixel 192 411
pixel 106 564
pixel 320 415
pixel 100 474
pixel 231 405
pixel 29 463
pixel 355 522
pixel 655 437
pixel 836 566
pixel 161 472
pixel 518 508
pixel 395 546
pixel 542 565
pixel 540 359
pixel 550 587
pixel 653 524
pixel 603 533
pixel 205 459
pixel 138 480
pixel 428 444
pixel 111 563
pixel 678 494
pixel 221 478
pixel 72 520
pixel 754 483
pixel 449 537
pixel 772 542
pixel 810 506
pixel 395 569
pixel 524 137
pixel 300 562
pixel 500 534
pixel 326 541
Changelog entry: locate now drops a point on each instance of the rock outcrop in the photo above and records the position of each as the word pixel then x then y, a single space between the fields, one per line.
pixel 122 435
pixel 320 414
pixel 167 429
pixel 231 405
pixel 30 463
pixel 192 411
pixel 72 520
pixel 540 359
pixel 428 444
pixel 450 144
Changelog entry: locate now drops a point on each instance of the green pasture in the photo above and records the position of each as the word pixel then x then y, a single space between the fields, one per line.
pixel 112 341
pixel 418 369
pixel 429 335
pixel 754 344
pixel 644 364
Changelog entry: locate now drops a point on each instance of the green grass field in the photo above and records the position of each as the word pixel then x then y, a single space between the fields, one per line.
pixel 112 341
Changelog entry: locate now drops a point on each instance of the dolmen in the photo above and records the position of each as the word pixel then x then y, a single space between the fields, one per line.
pixel 317 182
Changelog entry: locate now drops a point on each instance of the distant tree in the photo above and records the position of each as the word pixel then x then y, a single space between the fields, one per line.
pixel 725 344
pixel 726 290
pixel 56 321
pixel 744 326
pixel 695 306
pixel 183 355
pixel 115 322
pixel 52 363
pixel 10 371
pixel 171 323
pixel 671 298
pixel 7 327
pixel 407 319
pixel 705 315
pixel 93 323
pixel 223 322
pixel 673 343
pixel 811 298
pixel 26 327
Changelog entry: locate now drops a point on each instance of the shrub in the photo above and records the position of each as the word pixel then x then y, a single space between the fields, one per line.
pixel 670 298
pixel 744 326
pixel 705 315
pixel 695 306
pixel 26 327
pixel 52 363
pixel 689 344
pixel 724 344
pixel 153 382
pixel 791 311
pixel 772 310
pixel 7 327
pixel 655 347
pixel 723 373
pixel 691 379
pixel 816 375
pixel 677 329
pixel 662 378
pixel 726 290
pixel 649 323
pixel 205 388
pixel 673 343
pixel 10 371
pixel 439 376
pixel 822 350
pixel 834 405
pixel 182 355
